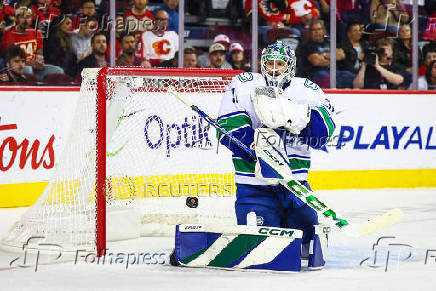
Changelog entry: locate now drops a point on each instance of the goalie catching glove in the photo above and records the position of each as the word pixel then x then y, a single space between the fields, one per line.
pixel 276 111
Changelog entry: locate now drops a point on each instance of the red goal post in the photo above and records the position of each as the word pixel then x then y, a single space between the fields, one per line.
pixel 102 82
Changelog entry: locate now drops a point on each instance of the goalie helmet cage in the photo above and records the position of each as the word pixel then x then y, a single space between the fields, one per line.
pixel 89 179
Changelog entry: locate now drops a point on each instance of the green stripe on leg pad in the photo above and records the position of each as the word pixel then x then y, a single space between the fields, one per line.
pixel 236 249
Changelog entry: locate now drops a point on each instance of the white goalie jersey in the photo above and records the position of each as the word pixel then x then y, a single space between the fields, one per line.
pixel 237 115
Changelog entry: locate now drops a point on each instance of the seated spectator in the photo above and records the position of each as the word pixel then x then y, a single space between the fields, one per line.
pixel 387 14
pixel 429 56
pixel 58 47
pixel 349 11
pixel 203 60
pixel 31 42
pixel 7 17
pixel 217 56
pixel 353 47
pixel 269 11
pixel 295 13
pixel 237 59
pixel 81 40
pixel 428 82
pixel 119 29
pixel 5 11
pixel 171 7
pixel 299 14
pixel 15 58
pixel 314 59
pixel 403 48
pixel 87 9
pixel 189 58
pixel 159 45
pixel 139 18
pixel 43 11
pixel 378 71
pixel 129 57
pixel 97 59
pixel 20 3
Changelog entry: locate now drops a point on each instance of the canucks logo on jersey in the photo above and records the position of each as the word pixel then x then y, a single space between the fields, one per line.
pixel 245 77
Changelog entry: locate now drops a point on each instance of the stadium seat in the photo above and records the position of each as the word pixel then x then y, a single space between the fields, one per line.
pixel 31 79
pixel 58 79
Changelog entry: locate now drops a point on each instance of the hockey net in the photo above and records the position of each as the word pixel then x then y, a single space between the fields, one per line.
pixel 134 155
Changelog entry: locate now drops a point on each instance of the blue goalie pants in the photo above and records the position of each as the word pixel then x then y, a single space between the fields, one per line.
pixel 275 206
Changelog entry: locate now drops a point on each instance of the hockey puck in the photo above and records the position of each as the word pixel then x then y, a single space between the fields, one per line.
pixel 192 202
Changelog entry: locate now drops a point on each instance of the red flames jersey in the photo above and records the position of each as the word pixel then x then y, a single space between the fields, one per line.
pixel 31 41
pixel 292 14
pixel 138 23
pixel 7 10
pixel 41 15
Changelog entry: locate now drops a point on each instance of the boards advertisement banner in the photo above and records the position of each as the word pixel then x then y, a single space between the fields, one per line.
pixel 376 134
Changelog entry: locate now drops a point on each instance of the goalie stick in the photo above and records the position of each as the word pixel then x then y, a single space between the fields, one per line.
pixel 309 197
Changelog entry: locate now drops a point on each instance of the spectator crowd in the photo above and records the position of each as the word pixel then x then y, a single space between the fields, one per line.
pixel 52 41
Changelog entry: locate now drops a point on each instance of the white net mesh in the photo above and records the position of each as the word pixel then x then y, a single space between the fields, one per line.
pixel 159 152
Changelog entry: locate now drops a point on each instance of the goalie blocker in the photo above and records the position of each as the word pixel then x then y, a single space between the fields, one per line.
pixel 241 247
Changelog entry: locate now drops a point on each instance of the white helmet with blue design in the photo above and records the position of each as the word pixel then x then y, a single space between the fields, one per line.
pixel 278 64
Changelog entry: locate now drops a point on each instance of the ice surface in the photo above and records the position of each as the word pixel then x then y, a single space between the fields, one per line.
pixel 414 237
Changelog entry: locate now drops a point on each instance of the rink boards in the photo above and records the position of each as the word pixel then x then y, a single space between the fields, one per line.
pixel 382 140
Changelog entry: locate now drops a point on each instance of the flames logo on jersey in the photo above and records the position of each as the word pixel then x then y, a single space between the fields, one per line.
pixel 268 7
pixel 302 8
pixel 162 47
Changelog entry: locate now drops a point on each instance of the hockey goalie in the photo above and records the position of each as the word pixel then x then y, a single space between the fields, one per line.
pixel 280 117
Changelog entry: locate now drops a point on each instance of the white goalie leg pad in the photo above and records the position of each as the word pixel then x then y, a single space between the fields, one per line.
pixel 272 161
pixel 238 247
pixel 318 247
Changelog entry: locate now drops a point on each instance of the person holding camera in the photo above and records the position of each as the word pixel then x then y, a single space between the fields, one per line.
pixel 377 70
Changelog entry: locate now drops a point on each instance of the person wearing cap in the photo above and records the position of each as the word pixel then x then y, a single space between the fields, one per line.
pixel 30 40
pixel 222 39
pixel 203 60
pixel 237 59
pixel 217 57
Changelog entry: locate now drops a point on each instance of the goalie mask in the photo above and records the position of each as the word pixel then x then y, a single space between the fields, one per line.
pixel 278 64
